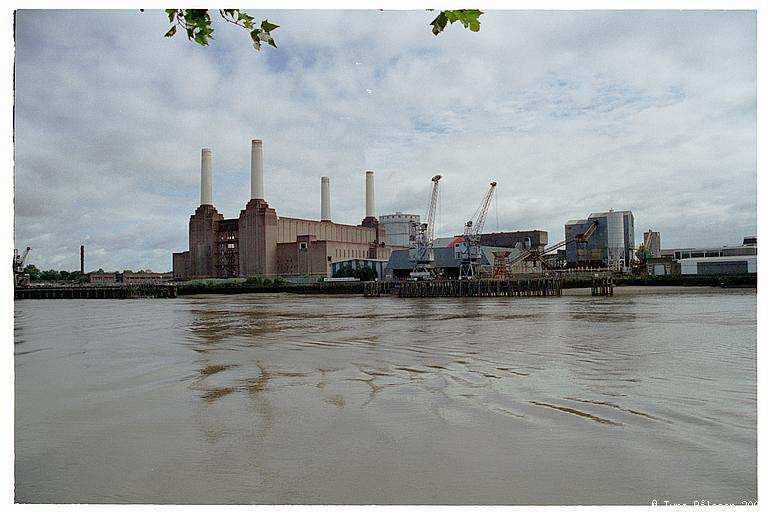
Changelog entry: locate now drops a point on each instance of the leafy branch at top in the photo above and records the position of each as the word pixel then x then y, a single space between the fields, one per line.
pixel 197 25
pixel 470 18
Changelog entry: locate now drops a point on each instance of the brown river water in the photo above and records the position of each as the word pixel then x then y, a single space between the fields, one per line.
pixel 281 399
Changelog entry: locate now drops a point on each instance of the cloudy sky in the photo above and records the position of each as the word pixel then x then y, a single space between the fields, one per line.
pixel 570 112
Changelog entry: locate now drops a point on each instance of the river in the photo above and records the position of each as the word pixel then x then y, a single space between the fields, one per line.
pixel 290 399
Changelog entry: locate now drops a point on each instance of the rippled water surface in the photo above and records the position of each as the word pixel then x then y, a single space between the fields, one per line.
pixel 649 394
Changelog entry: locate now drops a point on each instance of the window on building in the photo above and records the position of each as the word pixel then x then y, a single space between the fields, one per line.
pixel 302 246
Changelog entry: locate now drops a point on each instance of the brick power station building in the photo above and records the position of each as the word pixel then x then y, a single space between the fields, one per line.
pixel 259 242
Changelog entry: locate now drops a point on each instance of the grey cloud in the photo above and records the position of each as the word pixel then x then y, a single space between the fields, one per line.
pixel 571 112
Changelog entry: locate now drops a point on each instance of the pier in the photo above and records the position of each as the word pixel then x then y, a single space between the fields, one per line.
pixel 602 285
pixel 131 291
pixel 524 287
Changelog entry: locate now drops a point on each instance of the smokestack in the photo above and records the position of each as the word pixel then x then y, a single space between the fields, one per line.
pixel 206 178
pixel 325 198
pixel 370 203
pixel 82 260
pixel 257 169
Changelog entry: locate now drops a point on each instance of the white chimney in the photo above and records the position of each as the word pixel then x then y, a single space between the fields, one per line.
pixel 257 169
pixel 325 198
pixel 206 178
pixel 370 203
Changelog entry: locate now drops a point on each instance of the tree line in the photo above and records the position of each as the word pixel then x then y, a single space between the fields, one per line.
pixel 35 274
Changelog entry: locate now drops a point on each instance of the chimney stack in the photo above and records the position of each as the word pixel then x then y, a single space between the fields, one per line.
pixel 370 203
pixel 206 178
pixel 257 169
pixel 82 260
pixel 325 199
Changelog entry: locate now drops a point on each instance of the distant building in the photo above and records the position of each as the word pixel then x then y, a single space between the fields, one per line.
pixel 102 278
pixel 652 243
pixel 448 259
pixel 259 242
pixel 534 239
pixel 397 228
pixel 662 266
pixel 380 266
pixel 741 259
pixel 610 246
pixel 129 277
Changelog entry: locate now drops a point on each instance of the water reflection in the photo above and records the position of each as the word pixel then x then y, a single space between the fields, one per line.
pixel 285 399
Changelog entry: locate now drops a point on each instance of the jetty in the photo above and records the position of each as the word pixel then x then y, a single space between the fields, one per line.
pixel 130 291
pixel 511 287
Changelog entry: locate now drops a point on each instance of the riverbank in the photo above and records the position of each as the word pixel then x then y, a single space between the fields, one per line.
pixel 568 282
pixel 722 281
pixel 237 286
pixel 231 287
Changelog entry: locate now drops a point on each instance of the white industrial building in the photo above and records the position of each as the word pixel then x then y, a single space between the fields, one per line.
pixel 397 228
pixel 719 265
pixel 740 259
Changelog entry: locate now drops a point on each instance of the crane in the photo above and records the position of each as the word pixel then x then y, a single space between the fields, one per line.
pixel 20 278
pixel 422 237
pixel 581 237
pixel 469 249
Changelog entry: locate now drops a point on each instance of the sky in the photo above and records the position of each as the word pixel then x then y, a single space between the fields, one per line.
pixel 571 112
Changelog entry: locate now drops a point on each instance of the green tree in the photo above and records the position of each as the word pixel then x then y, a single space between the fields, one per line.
pixel 64 275
pixel 33 272
pixel 344 271
pixel 49 275
pixel 365 273
pixel 197 24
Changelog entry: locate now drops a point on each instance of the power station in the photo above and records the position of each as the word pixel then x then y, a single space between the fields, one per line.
pixel 261 243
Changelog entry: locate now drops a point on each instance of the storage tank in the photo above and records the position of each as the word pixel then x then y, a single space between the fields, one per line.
pixel 397 227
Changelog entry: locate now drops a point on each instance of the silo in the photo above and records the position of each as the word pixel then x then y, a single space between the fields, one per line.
pixel 615 244
pixel 397 228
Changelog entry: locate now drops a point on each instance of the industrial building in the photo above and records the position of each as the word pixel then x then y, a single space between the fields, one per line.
pixel 397 228
pixel 652 244
pixel 534 239
pixel 611 246
pixel 448 258
pixel 378 266
pixel 129 277
pixel 259 242
pixel 740 259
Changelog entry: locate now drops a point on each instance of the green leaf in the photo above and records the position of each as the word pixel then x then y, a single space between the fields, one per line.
pixel 467 17
pixel 171 14
pixel 439 23
pixel 171 32
pixel 268 27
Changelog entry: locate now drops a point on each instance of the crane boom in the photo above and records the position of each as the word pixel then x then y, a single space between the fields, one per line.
pixel 422 238
pixel 581 237
pixel 431 210
pixel 470 248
